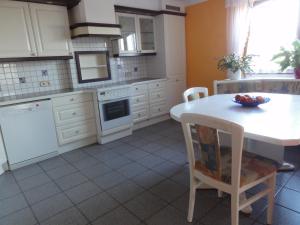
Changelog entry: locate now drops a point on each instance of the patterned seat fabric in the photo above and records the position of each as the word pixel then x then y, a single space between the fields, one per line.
pixel 194 96
pixel 215 161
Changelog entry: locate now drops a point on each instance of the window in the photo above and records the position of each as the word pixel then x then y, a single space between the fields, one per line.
pixel 274 23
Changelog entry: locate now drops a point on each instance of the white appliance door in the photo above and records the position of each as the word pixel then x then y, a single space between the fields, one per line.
pixel 115 113
pixel 28 130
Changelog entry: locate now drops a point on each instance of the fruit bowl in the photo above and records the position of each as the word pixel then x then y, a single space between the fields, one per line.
pixel 250 101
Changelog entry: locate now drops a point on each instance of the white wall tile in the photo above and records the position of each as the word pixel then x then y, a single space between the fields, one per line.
pixel 62 74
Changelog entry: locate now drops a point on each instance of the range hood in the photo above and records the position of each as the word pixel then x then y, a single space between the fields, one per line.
pixel 94 18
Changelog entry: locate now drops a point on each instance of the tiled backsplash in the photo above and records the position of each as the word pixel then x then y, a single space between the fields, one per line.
pixel 25 77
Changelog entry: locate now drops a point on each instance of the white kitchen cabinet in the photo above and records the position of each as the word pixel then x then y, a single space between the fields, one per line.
pixel 17 38
pixel 74 113
pixel 33 30
pixel 74 118
pixel 175 88
pixel 140 102
pixel 149 100
pixel 170 60
pixel 138 35
pixel 146 34
pixel 75 132
pixel 175 50
pixel 51 29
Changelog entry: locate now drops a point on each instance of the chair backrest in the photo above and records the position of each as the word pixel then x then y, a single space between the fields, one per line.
pixel 194 93
pixel 207 129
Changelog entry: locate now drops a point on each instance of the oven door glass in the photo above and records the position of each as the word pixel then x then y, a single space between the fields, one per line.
pixel 115 110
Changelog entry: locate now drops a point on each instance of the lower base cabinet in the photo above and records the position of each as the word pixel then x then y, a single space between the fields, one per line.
pixel 175 88
pixel 74 117
pixel 70 133
pixel 148 100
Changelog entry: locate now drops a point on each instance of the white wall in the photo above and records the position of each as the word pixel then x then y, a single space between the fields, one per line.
pixel 145 4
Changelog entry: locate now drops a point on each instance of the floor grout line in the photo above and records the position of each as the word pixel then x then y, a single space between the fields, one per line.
pixel 130 179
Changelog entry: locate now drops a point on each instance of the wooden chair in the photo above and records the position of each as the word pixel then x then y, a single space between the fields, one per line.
pixel 194 93
pixel 230 170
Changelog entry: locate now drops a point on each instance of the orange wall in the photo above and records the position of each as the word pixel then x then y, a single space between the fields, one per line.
pixel 206 42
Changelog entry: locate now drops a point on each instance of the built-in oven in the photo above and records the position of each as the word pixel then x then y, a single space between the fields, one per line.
pixel 114 109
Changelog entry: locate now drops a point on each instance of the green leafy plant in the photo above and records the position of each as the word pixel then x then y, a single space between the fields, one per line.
pixel 234 63
pixel 288 57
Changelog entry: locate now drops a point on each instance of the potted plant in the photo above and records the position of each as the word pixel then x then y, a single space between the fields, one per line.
pixel 289 58
pixel 235 65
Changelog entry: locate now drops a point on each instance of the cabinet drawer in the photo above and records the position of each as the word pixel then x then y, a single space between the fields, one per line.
pixel 158 109
pixel 140 114
pixel 157 84
pixel 139 89
pixel 158 95
pixel 73 113
pixel 139 99
pixel 71 99
pixel 72 133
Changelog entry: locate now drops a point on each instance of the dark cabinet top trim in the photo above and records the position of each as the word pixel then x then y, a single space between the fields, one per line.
pixel 40 58
pixel 133 54
pixel 95 25
pixel 132 10
pixel 67 3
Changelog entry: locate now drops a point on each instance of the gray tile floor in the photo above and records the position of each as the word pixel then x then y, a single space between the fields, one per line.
pixel 139 180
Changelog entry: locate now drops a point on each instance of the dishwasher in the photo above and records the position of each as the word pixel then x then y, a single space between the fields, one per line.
pixel 28 132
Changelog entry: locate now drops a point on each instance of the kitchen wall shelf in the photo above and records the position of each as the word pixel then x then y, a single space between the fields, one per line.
pixel 92 66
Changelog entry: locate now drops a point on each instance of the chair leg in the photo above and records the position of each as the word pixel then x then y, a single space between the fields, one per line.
pixel 191 203
pixel 235 209
pixel 271 184
pixel 248 209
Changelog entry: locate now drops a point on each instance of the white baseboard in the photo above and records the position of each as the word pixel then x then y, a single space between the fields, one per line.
pixel 77 144
pixel 150 122
pixel 31 161
pixel 115 136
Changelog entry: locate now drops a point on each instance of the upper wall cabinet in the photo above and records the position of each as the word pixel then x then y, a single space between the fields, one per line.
pixel 33 30
pixel 137 35
pixel 16 39
pixel 51 29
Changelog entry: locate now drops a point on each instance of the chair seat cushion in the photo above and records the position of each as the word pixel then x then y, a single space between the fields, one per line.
pixel 254 167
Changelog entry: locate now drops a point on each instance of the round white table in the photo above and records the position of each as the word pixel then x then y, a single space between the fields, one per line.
pixel 268 127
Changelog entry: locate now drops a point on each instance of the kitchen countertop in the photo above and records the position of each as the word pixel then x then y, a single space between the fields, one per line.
pixel 16 99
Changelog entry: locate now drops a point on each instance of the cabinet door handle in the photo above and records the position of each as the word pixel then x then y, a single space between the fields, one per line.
pixel 136 89
pixel 139 115
pixel 74 113
pixel 33 54
pixel 72 99
pixel 77 132
pixel 157 85
pixel 159 109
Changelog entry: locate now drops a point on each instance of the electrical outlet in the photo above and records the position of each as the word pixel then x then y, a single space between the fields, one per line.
pixel 22 80
pixel 44 73
pixel 135 69
pixel 45 83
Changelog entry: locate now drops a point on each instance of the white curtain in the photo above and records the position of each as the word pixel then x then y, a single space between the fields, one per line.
pixel 238 23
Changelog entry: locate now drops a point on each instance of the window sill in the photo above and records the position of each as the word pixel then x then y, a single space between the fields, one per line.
pixel 271 76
